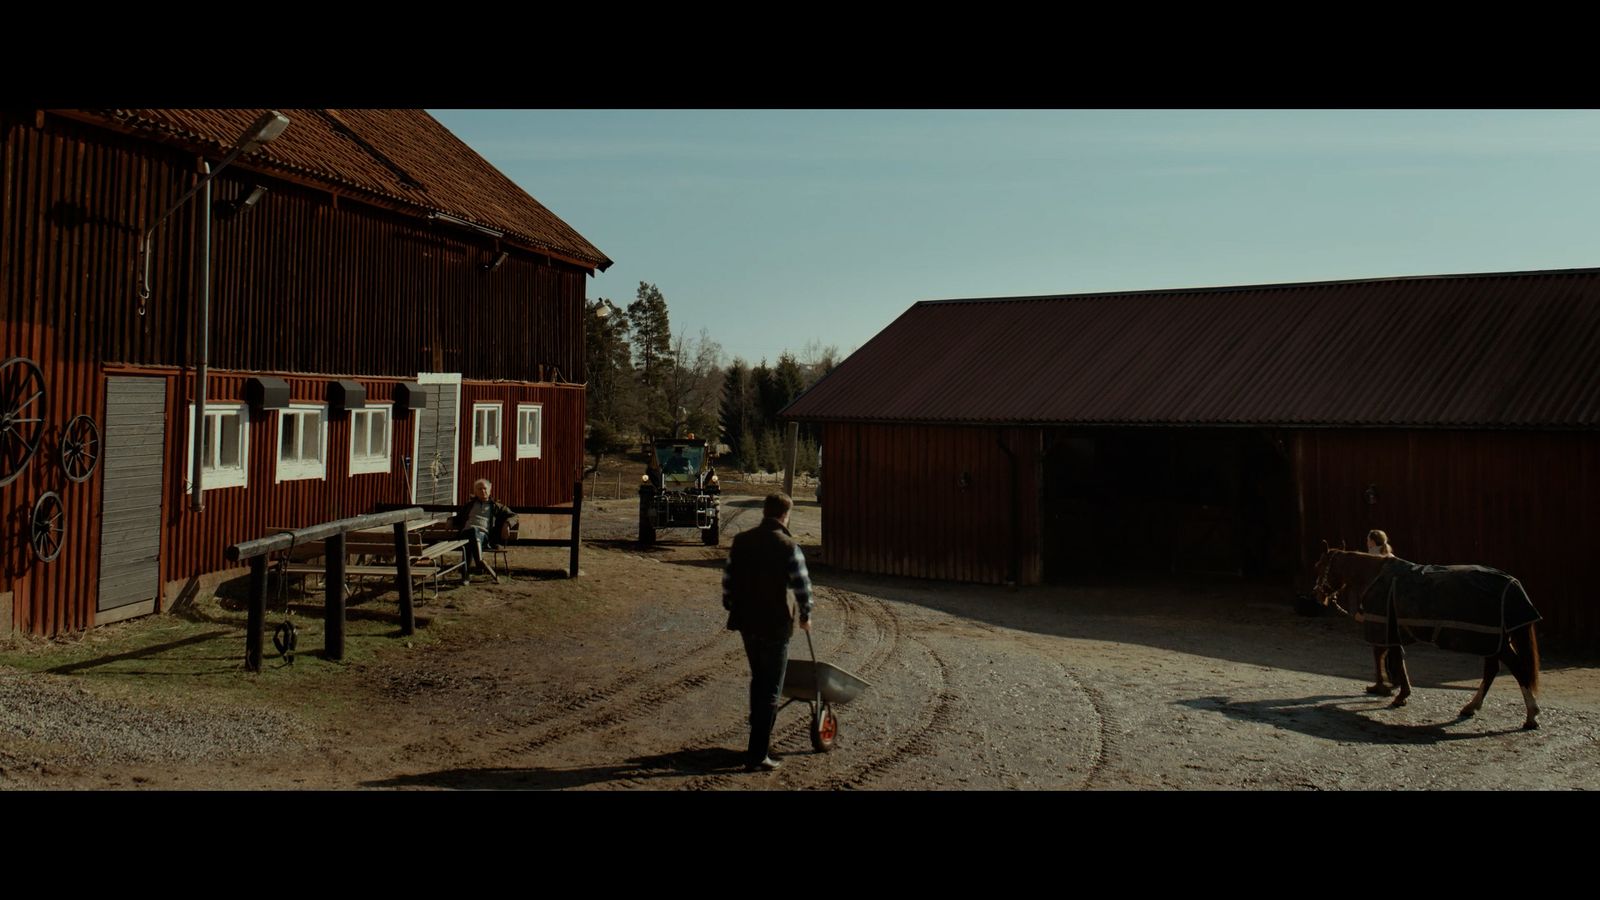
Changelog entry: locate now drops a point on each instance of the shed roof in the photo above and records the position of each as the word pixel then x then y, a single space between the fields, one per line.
pixel 402 156
pixel 1500 350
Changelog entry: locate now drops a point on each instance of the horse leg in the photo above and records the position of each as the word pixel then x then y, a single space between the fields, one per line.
pixel 1491 668
pixel 1397 672
pixel 1377 686
pixel 1524 667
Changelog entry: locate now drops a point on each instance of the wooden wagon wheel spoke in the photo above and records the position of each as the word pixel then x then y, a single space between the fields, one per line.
pixel 49 527
pixel 21 420
pixel 80 448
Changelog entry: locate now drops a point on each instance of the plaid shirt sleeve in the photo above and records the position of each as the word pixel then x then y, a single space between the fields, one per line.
pixel 800 582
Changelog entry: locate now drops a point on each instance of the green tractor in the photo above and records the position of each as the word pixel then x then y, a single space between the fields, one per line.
pixel 680 490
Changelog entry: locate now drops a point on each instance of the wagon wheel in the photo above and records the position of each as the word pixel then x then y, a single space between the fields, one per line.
pixel 824 729
pixel 49 530
pixel 21 415
pixel 80 448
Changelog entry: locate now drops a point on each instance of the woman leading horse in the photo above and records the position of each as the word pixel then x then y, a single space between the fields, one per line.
pixel 1471 609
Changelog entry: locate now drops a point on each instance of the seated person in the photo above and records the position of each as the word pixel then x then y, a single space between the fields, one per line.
pixel 677 464
pixel 483 521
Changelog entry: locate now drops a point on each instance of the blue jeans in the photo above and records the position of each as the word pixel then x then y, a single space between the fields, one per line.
pixel 768 661
pixel 476 537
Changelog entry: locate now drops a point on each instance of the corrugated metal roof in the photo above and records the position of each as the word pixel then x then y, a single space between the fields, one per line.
pixel 403 155
pixel 1505 350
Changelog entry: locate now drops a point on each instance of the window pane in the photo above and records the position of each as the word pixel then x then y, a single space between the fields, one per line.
pixel 494 427
pixel 477 428
pixel 208 452
pixel 229 456
pixel 289 442
pixel 380 436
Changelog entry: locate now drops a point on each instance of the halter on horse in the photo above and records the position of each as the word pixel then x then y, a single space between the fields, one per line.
pixel 1463 608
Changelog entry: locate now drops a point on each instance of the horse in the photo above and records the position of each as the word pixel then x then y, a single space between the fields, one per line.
pixel 1470 609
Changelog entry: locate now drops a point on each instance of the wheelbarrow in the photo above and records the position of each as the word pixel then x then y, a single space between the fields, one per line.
pixel 824 687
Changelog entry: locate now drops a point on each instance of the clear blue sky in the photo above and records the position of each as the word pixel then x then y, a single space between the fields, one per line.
pixel 772 228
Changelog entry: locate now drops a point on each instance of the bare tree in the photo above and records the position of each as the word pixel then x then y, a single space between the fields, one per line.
pixel 692 385
pixel 817 360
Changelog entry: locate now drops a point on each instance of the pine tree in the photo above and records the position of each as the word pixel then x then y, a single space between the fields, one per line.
pixel 735 412
pixel 652 342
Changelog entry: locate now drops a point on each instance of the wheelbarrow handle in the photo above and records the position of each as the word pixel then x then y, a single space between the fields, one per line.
pixel 816 672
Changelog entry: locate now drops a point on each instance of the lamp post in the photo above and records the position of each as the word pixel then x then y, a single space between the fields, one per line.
pixel 262 131
pixel 602 376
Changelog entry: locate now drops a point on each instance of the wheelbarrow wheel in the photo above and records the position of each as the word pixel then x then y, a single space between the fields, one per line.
pixel 824 729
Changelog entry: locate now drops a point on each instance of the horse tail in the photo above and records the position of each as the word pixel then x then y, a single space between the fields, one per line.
pixel 1531 649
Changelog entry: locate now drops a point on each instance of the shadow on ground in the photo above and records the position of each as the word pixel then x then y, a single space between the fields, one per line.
pixel 679 764
pixel 1185 616
pixel 1341 719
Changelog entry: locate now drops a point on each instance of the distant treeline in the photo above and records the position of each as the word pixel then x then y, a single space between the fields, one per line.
pixel 645 383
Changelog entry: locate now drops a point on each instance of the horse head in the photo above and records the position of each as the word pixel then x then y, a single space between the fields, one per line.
pixel 1330 578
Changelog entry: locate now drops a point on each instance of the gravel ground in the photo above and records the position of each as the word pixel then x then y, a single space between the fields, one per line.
pixel 82 728
pixel 624 679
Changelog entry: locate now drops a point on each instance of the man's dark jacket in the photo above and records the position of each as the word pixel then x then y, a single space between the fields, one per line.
pixel 759 559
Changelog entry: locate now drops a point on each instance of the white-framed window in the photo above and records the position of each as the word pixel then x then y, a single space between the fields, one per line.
pixel 225 448
pixel 485 431
pixel 302 442
pixel 530 430
pixel 369 439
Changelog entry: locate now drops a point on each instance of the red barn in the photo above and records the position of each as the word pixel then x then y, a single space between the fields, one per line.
pixel 382 317
pixel 1226 430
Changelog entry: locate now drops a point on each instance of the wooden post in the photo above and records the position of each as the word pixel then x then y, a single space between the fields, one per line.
pixel 790 448
pixel 256 620
pixel 402 568
pixel 333 616
pixel 577 519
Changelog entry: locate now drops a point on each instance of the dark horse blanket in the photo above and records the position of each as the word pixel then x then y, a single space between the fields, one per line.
pixel 1464 608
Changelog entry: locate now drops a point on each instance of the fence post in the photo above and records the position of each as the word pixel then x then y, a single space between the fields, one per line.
pixel 256 620
pixel 577 519
pixel 402 567
pixel 333 617
pixel 789 451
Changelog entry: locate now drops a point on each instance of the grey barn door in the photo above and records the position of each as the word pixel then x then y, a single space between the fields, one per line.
pixel 130 513
pixel 435 465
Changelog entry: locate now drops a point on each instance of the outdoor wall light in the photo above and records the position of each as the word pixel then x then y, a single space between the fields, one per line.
pixel 270 124
pixel 251 199
pixel 463 223
pixel 267 126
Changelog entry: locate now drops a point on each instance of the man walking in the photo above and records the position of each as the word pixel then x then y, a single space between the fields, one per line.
pixel 764 566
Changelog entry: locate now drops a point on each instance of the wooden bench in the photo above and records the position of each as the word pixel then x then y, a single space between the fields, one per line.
pixel 363 549
pixel 437 551
pixel 538 537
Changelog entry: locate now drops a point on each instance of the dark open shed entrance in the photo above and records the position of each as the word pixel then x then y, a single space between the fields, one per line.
pixel 1166 500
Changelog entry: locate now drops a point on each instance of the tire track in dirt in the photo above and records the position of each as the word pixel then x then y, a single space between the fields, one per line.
pixel 890 629
pixel 570 705
pixel 919 742
pixel 726 521
pixel 851 627
pixel 634 707
pixel 886 647
pixel 607 717
pixel 1105 733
